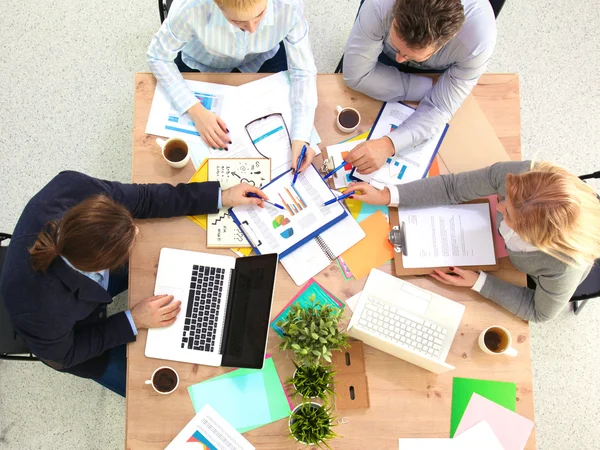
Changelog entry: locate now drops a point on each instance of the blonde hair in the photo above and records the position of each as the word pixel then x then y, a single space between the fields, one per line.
pixel 557 212
pixel 238 5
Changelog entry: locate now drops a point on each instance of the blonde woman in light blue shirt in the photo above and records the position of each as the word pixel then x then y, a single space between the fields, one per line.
pixel 247 35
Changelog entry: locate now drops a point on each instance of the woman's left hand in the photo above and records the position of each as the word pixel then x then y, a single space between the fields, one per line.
pixel 308 157
pixel 459 277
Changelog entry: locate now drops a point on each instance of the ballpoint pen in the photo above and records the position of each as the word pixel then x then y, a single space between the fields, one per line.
pixel 337 199
pixel 276 205
pixel 330 174
pixel 300 159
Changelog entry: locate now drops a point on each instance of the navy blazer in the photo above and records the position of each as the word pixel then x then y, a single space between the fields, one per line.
pixel 59 314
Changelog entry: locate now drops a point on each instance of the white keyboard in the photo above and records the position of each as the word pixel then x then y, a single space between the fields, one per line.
pixel 402 327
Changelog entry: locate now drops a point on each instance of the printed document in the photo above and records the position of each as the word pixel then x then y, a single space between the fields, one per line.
pixel 451 235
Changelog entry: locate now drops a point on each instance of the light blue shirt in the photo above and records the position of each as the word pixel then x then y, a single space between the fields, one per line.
pixel 209 43
pixel 102 279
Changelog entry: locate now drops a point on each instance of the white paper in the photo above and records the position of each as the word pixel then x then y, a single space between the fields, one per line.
pixel 428 444
pixel 337 153
pixel 453 235
pixel 352 302
pixel 209 426
pixel 221 230
pixel 478 437
pixel 409 164
pixel 272 230
pixel 308 260
pixel 164 120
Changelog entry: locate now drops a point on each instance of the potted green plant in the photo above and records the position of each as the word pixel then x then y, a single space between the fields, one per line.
pixel 311 424
pixel 313 381
pixel 312 332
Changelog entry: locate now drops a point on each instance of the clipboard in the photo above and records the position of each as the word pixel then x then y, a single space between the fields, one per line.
pixel 255 242
pixel 401 271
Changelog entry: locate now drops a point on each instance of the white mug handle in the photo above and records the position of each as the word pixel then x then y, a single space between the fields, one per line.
pixel 510 351
pixel 148 382
pixel 161 143
pixel 339 109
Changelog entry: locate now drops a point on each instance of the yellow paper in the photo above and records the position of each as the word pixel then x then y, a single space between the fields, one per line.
pixel 201 176
pixel 372 251
pixel 360 136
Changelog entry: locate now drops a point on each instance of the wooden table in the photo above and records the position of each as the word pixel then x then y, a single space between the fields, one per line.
pixel 406 401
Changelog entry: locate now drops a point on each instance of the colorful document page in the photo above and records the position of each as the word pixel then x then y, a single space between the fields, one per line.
pixel 209 431
pixel 511 429
pixel 408 164
pixel 500 392
pixel 272 230
pixel 312 291
pixel 337 153
pixel 246 398
pixel 449 235
pixel 372 251
pixel 201 176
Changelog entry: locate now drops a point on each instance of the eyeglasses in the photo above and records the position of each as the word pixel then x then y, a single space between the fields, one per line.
pixel 408 59
pixel 270 136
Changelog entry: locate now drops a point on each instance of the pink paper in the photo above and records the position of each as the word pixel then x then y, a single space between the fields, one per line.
pixel 511 429
pixel 498 239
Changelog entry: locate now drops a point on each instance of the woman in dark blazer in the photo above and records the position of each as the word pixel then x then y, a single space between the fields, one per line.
pixel 67 259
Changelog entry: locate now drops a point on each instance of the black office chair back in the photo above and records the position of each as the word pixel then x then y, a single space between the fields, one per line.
pixel 163 9
pixel 12 347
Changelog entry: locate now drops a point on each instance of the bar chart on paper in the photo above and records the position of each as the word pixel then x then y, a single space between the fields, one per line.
pixel 294 203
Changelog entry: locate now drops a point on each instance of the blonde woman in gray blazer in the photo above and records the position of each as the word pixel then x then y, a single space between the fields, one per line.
pixel 548 217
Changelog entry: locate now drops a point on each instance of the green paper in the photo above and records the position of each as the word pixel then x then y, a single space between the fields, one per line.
pixel 500 392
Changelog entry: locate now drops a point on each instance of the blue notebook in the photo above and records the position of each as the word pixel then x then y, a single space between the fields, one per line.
pixel 273 230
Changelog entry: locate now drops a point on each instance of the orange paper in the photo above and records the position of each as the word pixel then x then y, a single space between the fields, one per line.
pixel 434 170
pixel 374 250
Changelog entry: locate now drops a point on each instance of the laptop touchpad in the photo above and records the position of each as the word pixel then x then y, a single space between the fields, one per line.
pixel 414 299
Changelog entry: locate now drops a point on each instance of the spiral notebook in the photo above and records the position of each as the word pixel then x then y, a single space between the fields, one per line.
pixel 314 256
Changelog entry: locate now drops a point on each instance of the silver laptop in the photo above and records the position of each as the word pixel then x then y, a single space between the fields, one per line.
pixel 406 321
pixel 225 308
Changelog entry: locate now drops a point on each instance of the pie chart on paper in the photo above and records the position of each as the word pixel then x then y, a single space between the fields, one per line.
pixel 287 233
pixel 279 221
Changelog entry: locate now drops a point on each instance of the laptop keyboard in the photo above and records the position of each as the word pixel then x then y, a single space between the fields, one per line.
pixel 200 328
pixel 405 329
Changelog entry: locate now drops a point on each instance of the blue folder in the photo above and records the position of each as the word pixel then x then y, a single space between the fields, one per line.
pixel 304 240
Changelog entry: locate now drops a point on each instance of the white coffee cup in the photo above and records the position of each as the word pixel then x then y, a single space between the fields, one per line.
pixel 347 114
pixel 173 148
pixel 499 342
pixel 155 382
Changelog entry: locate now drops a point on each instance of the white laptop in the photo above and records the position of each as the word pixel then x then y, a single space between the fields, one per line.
pixel 406 321
pixel 225 308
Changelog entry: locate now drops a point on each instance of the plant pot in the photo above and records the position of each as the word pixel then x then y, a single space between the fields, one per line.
pixel 312 405
pixel 315 396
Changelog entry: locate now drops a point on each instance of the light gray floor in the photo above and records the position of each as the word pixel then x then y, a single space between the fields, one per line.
pixel 66 78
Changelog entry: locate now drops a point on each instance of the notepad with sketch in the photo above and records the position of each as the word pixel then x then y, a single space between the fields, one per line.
pixel 272 230
pixel 449 235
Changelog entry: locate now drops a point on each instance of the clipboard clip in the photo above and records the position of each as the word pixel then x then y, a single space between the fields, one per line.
pixel 327 166
pixel 397 237
pixel 250 235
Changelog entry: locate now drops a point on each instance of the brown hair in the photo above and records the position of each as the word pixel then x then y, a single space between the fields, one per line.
pixel 422 23
pixel 556 212
pixel 94 235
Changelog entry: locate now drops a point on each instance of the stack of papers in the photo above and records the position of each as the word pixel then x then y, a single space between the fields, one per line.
pixel 246 398
pixel 479 437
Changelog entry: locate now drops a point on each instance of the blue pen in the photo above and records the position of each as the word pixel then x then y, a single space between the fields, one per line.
pixel 302 155
pixel 337 199
pixel 252 194
pixel 330 174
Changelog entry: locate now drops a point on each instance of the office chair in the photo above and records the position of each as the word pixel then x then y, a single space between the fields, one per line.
pixel 590 288
pixel 496 6
pixel 163 9
pixel 12 347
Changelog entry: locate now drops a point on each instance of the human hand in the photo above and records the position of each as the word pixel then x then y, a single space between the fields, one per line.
pixel 155 312
pixel 459 277
pixel 371 155
pixel 369 194
pixel 210 126
pixel 238 195
pixel 296 150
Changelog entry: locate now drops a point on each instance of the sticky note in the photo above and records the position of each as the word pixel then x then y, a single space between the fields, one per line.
pixel 372 251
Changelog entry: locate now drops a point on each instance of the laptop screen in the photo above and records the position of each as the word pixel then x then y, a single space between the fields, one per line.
pixel 249 311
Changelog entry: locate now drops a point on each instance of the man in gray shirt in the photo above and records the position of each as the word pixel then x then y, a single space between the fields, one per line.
pixel 393 37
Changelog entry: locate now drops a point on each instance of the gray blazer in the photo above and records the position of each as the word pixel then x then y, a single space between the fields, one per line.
pixel 555 281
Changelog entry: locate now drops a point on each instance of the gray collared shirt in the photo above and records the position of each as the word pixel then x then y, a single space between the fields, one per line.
pixel 464 60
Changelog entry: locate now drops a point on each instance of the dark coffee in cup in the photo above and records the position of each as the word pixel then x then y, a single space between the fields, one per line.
pixel 348 118
pixel 165 380
pixel 176 150
pixel 496 340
